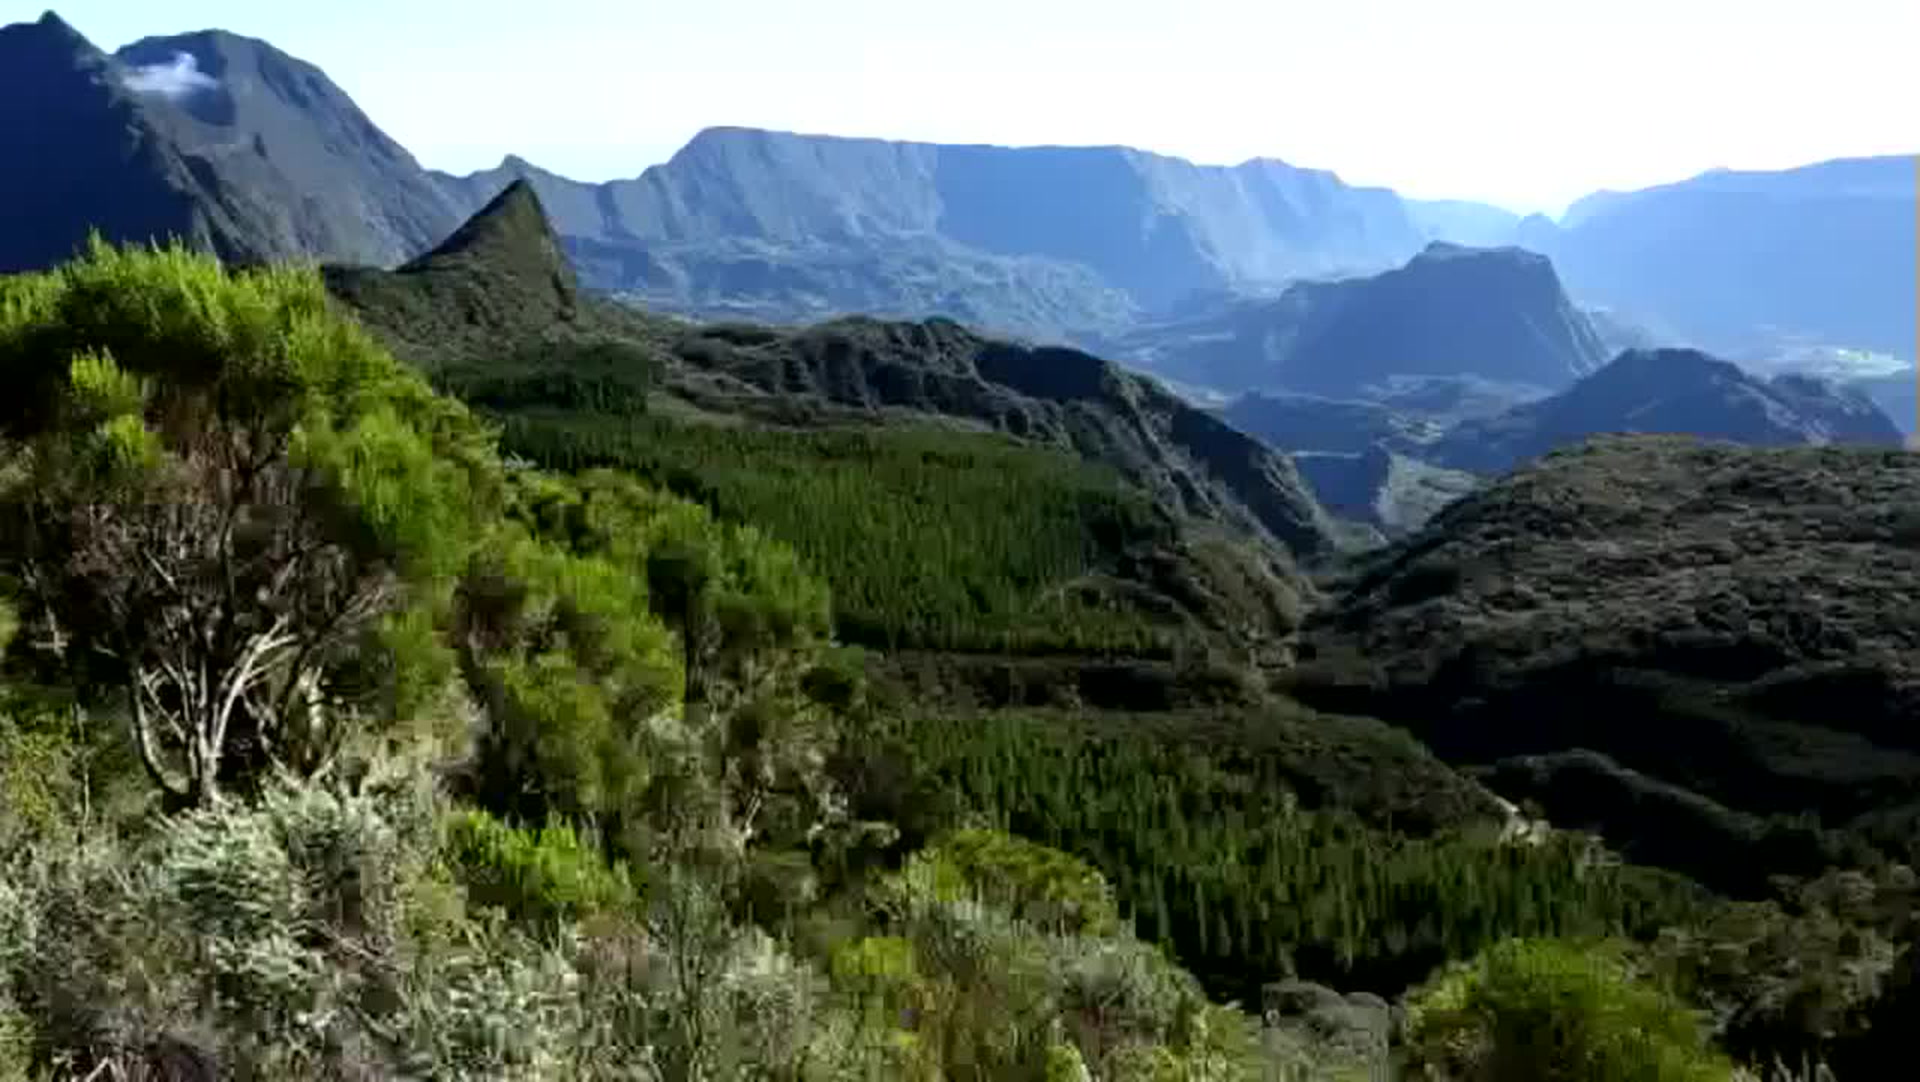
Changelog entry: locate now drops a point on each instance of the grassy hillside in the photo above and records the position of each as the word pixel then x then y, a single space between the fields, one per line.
pixel 1054 562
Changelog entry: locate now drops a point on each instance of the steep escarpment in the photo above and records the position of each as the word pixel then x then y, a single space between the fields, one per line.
pixel 1738 260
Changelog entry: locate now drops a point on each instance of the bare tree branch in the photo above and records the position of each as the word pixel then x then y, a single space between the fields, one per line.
pixel 149 754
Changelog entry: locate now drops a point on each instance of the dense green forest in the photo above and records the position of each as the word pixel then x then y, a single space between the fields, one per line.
pixel 1210 852
pixel 341 740
pixel 930 539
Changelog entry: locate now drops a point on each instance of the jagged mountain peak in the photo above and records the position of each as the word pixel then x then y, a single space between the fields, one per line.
pixel 502 268
pixel 49 23
pixel 512 235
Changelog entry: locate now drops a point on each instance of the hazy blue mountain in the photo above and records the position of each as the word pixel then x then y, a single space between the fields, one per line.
pixel 1052 240
pixel 1461 221
pixel 217 139
pixel 243 150
pixel 1669 392
pixel 1735 261
pixel 1497 314
pixel 1619 333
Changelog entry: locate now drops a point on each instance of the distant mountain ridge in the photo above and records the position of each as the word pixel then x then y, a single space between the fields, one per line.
pixel 1394 464
pixel 1497 314
pixel 1733 260
pixel 1669 392
pixel 1099 233
pixel 245 151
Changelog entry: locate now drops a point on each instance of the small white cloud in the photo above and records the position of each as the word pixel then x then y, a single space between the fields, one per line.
pixel 175 80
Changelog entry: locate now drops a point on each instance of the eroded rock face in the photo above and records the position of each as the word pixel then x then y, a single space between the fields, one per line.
pixel 1741 623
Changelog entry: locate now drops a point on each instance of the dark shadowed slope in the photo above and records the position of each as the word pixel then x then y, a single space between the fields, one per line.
pixel 1492 314
pixel 1189 459
pixel 1674 392
pixel 1743 623
pixel 97 158
pixel 221 140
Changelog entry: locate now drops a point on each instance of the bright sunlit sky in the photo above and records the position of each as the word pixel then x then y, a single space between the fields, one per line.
pixel 1524 103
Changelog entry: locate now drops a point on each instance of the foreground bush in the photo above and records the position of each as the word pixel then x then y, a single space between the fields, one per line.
pixel 217 492
pixel 1551 1011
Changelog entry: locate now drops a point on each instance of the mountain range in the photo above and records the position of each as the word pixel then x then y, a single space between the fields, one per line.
pixel 1057 240
pixel 1260 278
pixel 1669 392
pixel 1200 527
pixel 252 153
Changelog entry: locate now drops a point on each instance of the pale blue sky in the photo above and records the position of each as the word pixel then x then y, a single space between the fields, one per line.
pixel 1529 103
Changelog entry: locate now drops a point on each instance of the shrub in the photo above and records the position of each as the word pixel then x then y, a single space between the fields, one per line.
pixel 37 783
pixel 1555 1011
pixel 1041 885
pixel 544 876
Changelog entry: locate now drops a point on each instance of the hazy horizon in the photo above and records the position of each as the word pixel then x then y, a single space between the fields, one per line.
pixel 1496 101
